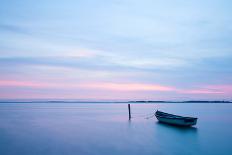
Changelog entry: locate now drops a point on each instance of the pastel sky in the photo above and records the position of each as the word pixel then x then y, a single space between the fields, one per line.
pixel 116 50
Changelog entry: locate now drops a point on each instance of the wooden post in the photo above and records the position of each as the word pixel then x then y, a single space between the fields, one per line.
pixel 129 111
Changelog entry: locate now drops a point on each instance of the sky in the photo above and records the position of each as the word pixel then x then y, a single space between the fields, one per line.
pixel 116 49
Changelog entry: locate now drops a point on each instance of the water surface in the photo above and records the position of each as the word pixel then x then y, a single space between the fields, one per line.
pixel 97 129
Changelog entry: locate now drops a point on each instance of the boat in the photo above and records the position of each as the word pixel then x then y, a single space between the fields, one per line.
pixel 175 119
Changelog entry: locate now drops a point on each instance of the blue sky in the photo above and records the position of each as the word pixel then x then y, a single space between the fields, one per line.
pixel 161 50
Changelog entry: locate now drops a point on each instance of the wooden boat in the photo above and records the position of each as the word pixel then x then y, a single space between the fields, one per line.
pixel 175 119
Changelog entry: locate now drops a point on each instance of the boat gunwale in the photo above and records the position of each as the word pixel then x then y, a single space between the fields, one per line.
pixel 171 116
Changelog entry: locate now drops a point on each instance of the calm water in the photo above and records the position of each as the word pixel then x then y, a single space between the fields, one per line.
pixel 97 129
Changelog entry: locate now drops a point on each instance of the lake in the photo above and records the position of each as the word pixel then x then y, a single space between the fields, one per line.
pixel 104 128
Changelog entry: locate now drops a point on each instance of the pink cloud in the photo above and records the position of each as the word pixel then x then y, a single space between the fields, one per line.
pixel 94 90
pixel 200 91
pixel 94 85
pixel 211 89
pixel 101 90
pixel 14 83
pixel 130 87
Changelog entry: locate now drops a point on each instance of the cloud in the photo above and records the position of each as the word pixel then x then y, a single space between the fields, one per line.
pixel 93 61
pixel 14 83
pixel 130 87
pixel 108 90
pixel 201 91
pixel 213 89
pixel 13 28
pixel 208 89
pixel 151 63
pixel 92 85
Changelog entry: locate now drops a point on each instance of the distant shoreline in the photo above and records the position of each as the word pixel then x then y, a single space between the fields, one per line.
pixel 194 101
pixel 142 101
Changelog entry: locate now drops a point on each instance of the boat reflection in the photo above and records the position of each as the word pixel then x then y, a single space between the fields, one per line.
pixel 181 129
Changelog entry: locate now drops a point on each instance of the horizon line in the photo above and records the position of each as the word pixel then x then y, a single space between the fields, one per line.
pixel 107 101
